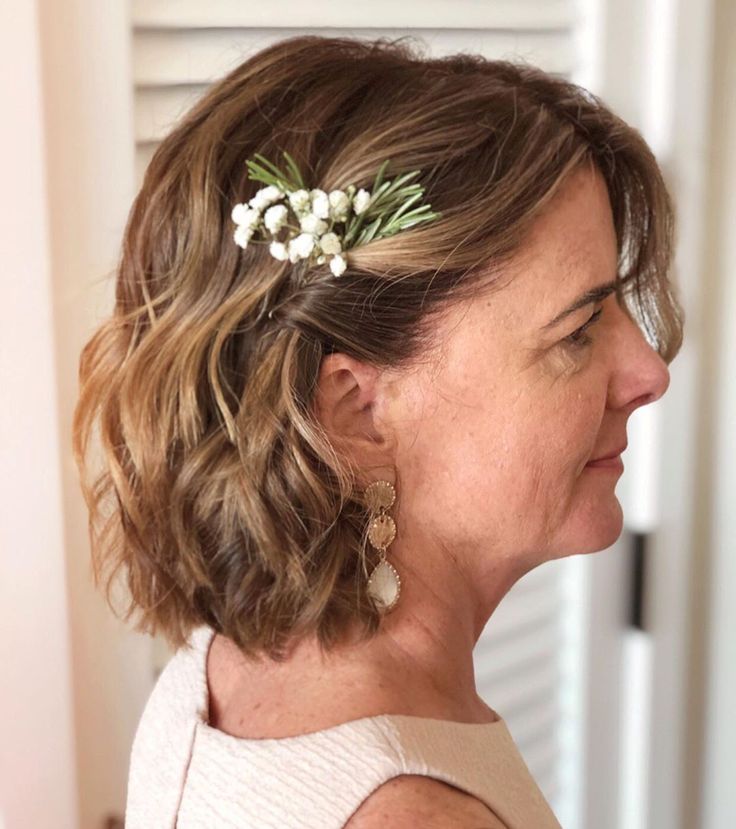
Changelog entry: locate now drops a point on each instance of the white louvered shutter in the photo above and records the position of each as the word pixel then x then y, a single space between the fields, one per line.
pixel 530 658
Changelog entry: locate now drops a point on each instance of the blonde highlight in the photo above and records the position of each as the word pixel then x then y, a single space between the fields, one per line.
pixel 218 495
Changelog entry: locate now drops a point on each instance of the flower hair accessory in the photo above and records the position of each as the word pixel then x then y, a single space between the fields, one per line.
pixel 312 224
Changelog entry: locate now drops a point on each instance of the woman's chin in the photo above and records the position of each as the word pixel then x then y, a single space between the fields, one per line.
pixel 604 525
pixel 594 528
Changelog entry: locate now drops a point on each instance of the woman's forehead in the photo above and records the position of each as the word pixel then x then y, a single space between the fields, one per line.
pixel 572 248
pixel 570 251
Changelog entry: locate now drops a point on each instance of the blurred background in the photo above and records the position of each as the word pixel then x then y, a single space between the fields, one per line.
pixel 616 672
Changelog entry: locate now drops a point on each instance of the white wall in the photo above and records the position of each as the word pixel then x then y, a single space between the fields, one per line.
pixel 713 656
pixel 37 741
pixel 89 153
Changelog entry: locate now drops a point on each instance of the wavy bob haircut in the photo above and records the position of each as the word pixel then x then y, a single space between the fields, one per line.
pixel 211 485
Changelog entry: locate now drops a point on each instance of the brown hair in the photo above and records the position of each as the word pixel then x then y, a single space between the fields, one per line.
pixel 219 495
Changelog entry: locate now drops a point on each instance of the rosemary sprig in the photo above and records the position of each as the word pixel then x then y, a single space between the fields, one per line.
pixel 268 173
pixel 388 203
pixel 388 196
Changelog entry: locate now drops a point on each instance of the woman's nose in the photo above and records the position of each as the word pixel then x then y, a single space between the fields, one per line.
pixel 641 376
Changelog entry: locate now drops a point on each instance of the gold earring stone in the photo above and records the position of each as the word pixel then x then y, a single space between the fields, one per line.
pixel 382 531
pixel 384 584
pixel 380 495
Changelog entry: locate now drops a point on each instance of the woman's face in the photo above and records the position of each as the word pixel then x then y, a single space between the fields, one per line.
pixel 495 434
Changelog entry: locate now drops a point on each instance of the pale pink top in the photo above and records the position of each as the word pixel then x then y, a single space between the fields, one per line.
pixel 184 773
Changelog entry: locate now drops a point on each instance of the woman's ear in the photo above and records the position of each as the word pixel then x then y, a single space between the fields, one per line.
pixel 345 405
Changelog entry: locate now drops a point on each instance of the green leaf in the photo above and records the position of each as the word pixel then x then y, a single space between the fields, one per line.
pixel 369 232
pixel 390 199
pixel 294 170
pixel 415 220
pixel 258 173
pixel 269 165
pixel 379 176
pixel 404 207
pixel 377 196
pixel 401 179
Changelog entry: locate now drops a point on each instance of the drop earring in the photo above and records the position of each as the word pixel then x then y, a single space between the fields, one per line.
pixel 384 584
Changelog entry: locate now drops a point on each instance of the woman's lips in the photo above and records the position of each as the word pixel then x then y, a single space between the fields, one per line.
pixel 607 463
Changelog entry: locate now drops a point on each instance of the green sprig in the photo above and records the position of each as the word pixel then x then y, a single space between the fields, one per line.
pixel 387 208
pixel 268 173
pixel 387 212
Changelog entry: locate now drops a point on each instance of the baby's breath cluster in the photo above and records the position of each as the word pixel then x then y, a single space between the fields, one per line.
pixel 313 224
pixel 309 215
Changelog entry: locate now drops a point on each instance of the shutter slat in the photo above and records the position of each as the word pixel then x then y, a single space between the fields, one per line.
pixel 531 609
pixel 172 57
pixel 510 694
pixel 546 575
pixel 534 728
pixel 470 14
pixel 525 650
pixel 157 110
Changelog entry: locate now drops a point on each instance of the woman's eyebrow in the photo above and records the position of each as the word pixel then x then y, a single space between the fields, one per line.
pixel 591 295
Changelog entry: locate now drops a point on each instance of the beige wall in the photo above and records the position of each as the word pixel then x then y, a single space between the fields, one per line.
pixel 36 739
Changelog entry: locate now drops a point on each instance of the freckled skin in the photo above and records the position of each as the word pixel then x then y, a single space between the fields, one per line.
pixel 487 440
pixel 493 449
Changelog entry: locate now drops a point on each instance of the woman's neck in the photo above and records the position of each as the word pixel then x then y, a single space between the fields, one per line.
pixel 420 663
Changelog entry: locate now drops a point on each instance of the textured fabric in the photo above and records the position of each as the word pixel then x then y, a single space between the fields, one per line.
pixel 184 773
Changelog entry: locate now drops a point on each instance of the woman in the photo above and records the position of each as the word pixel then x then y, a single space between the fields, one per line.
pixel 330 454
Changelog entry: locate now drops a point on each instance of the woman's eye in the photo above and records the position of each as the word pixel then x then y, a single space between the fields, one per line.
pixel 578 338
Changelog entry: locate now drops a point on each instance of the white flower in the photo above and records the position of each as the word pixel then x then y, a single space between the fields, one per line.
pixel 300 246
pixel 361 200
pixel 339 205
pixel 312 224
pixel 330 243
pixel 275 217
pixel 265 196
pixel 320 203
pixel 300 201
pixel 242 235
pixel 278 250
pixel 241 214
pixel 337 264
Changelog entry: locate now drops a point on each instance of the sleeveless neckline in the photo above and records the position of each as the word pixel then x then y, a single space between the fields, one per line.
pixel 202 640
pixel 348 725
pixel 183 771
